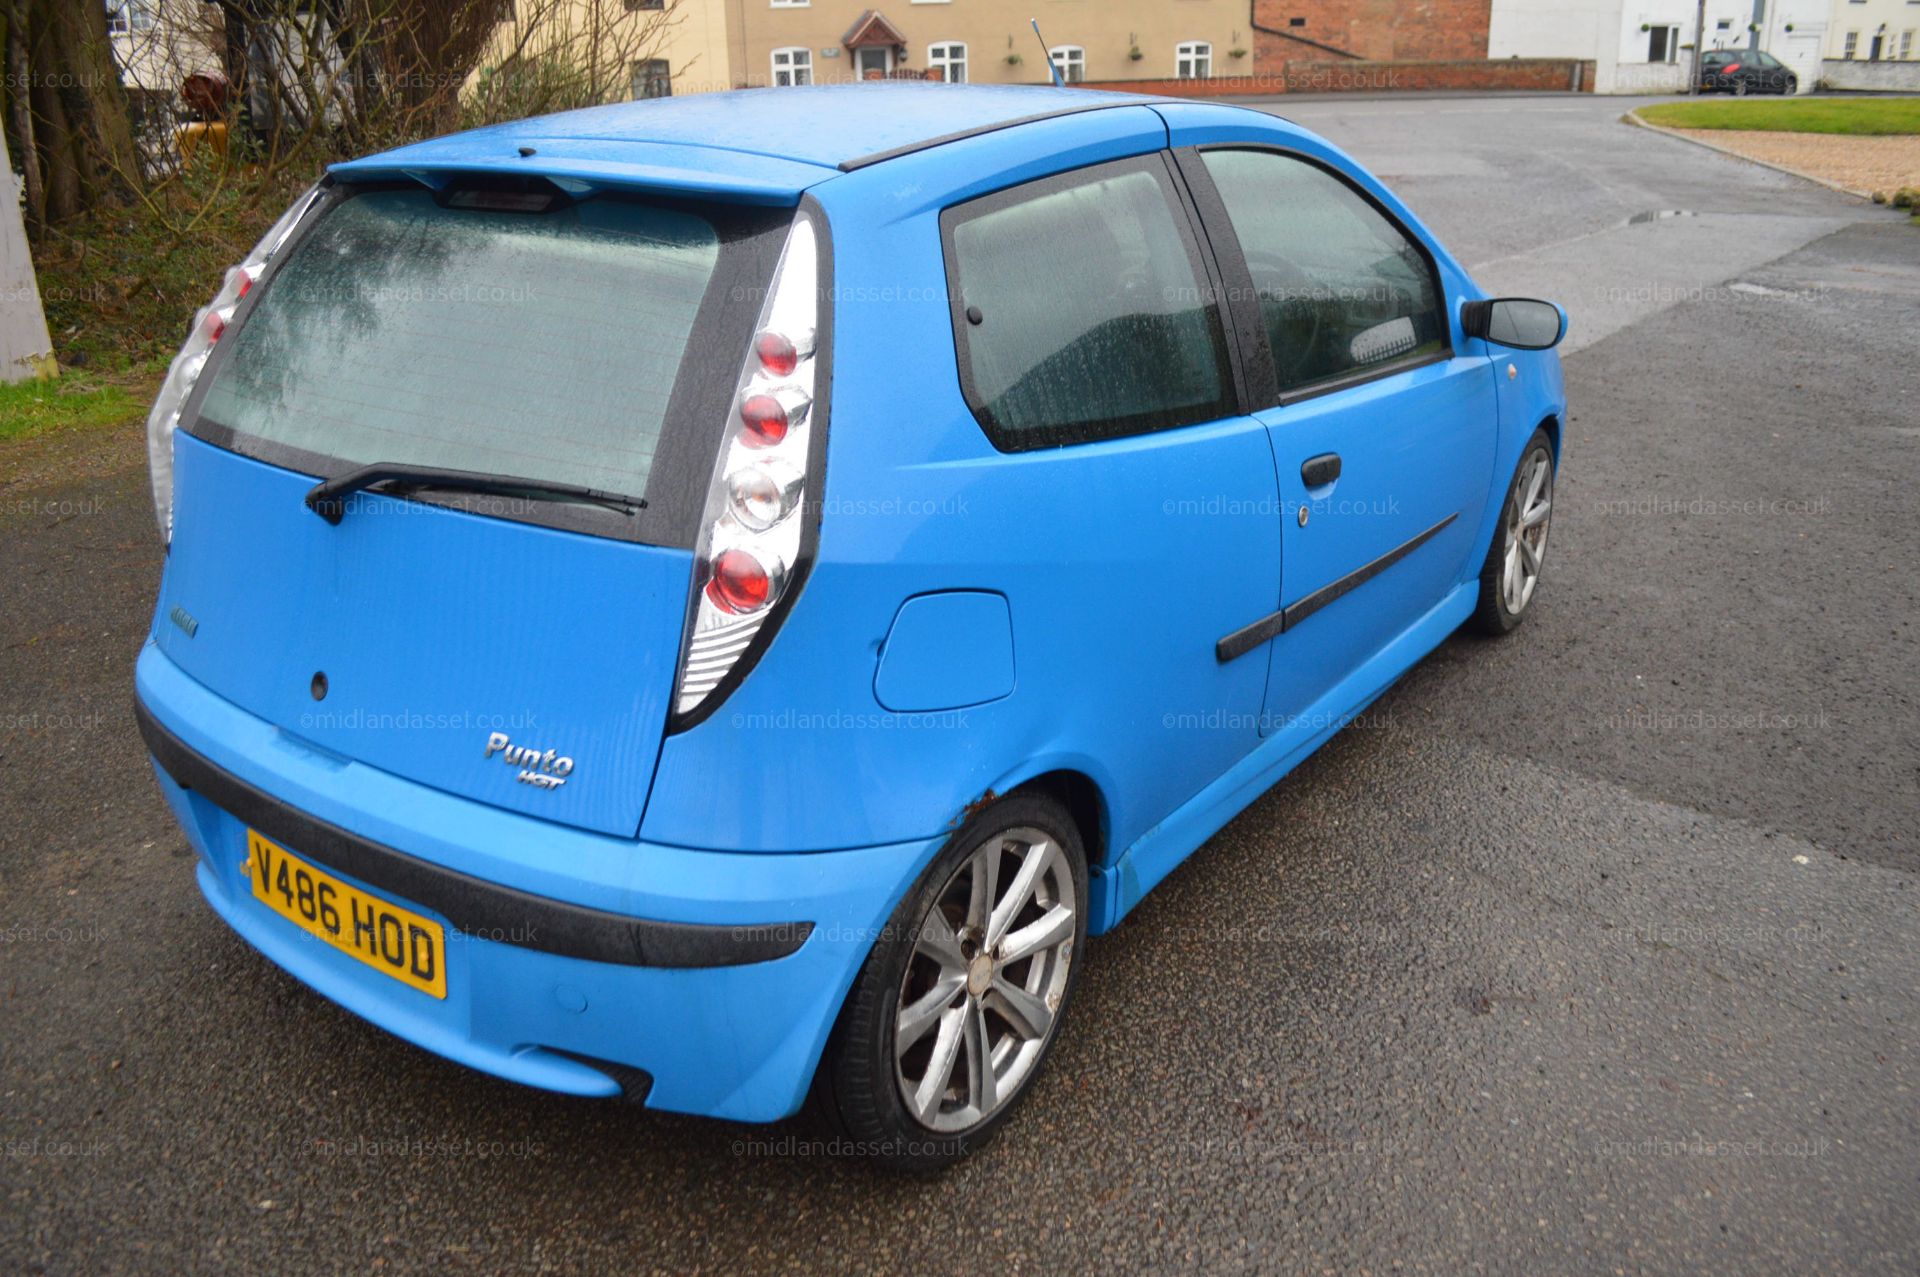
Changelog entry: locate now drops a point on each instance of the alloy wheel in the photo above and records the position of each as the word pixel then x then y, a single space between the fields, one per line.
pixel 1528 515
pixel 984 985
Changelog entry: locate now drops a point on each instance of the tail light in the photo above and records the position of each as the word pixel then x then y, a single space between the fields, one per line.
pixel 1730 68
pixel 750 541
pixel 208 327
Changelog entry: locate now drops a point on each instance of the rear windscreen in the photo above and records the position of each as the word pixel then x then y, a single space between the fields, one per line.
pixel 536 345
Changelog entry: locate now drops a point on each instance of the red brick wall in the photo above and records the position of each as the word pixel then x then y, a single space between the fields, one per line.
pixel 1344 76
pixel 1378 30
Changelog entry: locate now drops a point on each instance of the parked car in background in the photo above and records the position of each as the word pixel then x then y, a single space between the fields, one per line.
pixel 1744 71
pixel 713 600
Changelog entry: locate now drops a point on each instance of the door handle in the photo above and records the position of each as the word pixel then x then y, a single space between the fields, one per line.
pixel 1316 472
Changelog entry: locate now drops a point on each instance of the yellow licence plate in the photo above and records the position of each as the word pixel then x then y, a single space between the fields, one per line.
pixel 391 940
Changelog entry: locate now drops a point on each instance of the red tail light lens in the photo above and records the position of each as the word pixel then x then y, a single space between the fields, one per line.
pixel 765 419
pixel 778 355
pixel 740 583
pixel 1730 68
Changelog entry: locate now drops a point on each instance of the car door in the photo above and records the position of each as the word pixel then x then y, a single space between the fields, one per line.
pixel 1383 424
pixel 1125 505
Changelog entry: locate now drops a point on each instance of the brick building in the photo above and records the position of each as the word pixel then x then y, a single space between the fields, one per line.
pixel 1375 30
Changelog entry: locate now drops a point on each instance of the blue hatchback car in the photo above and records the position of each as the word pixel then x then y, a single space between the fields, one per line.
pixel 712 601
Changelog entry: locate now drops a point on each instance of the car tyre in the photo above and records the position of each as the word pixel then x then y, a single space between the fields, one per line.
pixel 1510 578
pixel 1739 88
pixel 963 995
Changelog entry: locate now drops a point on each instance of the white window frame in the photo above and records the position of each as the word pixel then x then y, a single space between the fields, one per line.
pixel 1193 60
pixel 791 4
pixel 794 66
pixel 1849 45
pixel 1906 45
pixel 1067 57
pixel 940 54
pixel 1672 46
pixel 124 17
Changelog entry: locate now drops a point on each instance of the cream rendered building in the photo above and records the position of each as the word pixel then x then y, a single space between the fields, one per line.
pixel 1874 30
pixel 772 42
pixel 707 45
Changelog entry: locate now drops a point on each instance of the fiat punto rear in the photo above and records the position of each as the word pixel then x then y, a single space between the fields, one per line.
pixel 712 601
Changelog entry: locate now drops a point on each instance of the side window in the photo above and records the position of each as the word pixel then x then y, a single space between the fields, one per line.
pixel 1341 288
pixel 1078 309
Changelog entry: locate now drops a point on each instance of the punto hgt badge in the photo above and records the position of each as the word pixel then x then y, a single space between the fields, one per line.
pixel 543 769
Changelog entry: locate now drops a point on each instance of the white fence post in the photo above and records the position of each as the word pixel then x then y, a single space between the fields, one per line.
pixel 25 349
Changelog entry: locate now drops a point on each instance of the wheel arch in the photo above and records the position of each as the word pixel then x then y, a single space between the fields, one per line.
pixel 1551 424
pixel 1085 805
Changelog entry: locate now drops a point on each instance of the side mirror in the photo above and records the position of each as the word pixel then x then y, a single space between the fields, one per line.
pixel 1520 322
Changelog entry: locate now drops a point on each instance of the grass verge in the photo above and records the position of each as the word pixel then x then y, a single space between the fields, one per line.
pixel 74 401
pixel 1863 117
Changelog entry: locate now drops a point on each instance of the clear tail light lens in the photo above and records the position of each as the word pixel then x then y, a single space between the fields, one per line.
pixel 763 495
pixel 209 325
pixel 757 501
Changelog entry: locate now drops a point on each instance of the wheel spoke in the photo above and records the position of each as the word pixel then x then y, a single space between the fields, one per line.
pixel 939 1075
pixel 1043 932
pixel 983 878
pixel 914 1022
pixel 1039 855
pixel 982 1088
pixel 1532 557
pixel 937 942
pixel 1027 1013
pixel 1534 482
pixel 1537 514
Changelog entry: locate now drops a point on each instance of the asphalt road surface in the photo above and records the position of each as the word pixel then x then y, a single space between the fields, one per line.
pixel 1593 950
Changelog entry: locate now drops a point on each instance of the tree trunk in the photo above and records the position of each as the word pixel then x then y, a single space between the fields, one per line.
pixel 76 135
pixel 19 113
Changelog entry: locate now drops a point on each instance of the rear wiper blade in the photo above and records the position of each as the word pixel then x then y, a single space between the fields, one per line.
pixel 329 498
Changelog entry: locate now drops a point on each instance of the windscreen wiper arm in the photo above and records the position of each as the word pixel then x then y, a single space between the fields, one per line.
pixel 328 499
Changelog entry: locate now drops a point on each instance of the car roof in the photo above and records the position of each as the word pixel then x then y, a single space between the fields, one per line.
pixel 744 142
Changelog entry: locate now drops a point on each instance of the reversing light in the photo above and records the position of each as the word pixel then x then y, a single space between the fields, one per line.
pixel 762 495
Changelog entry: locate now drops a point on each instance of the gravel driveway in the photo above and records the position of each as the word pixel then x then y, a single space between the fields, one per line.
pixel 1863 164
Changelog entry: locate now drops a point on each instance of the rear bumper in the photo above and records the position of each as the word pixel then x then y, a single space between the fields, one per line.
pixel 575 962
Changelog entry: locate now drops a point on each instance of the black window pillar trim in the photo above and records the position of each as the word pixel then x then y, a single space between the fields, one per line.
pixel 1220 289
pixel 482 909
pixel 1242 306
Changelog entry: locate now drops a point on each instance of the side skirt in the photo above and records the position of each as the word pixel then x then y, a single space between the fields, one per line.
pixel 1117 888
